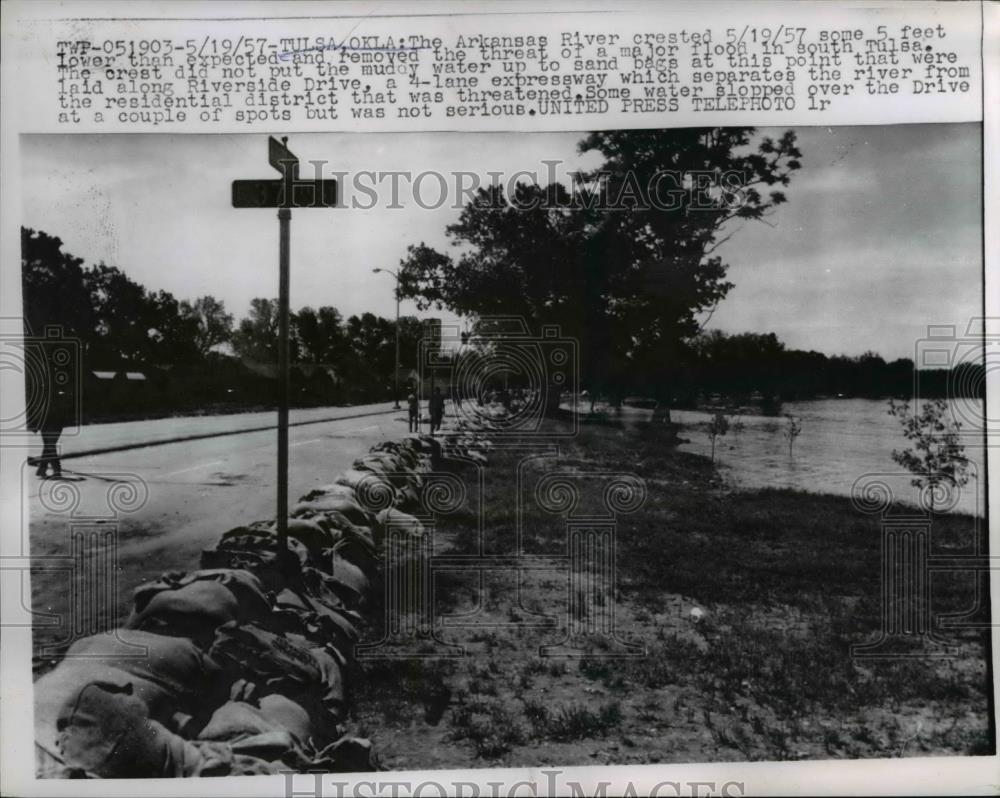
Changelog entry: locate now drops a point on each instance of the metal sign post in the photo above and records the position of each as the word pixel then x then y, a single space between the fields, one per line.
pixel 285 194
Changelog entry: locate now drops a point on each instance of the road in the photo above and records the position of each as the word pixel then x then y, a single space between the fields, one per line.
pixel 173 500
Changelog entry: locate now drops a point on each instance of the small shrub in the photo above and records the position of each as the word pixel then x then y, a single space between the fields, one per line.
pixel 576 722
pixel 488 724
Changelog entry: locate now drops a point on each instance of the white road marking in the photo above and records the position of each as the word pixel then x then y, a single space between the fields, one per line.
pixel 194 468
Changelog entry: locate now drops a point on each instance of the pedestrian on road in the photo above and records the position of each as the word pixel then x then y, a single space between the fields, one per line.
pixel 413 411
pixel 436 408
pixel 49 419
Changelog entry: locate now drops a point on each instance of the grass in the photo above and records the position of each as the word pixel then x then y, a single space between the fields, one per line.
pixel 787 581
pixel 488 724
pixel 571 721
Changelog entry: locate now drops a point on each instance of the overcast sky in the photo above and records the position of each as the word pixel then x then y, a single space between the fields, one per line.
pixel 880 237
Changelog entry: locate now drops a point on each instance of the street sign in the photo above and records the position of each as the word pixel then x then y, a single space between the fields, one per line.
pixel 271 194
pixel 279 155
pixel 284 194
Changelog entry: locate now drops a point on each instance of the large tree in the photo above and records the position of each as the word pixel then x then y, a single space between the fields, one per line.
pixel 54 288
pixel 624 260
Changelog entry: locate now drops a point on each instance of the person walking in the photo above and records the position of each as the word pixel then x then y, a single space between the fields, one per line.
pixel 49 420
pixel 413 412
pixel 436 408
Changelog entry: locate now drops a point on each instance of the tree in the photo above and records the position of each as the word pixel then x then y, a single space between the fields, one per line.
pixel 411 332
pixel 716 428
pixel 172 332
pixel 321 336
pixel 256 338
pixel 627 275
pixel 54 288
pixel 115 319
pixel 214 325
pixel 124 324
pixel 793 429
pixel 937 458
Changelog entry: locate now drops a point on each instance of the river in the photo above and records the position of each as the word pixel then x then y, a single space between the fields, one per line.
pixel 841 441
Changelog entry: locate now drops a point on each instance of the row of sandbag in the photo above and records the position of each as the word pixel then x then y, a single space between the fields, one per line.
pixel 243 666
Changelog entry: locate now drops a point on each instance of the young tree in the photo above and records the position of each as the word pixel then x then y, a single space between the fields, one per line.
pixel 937 457
pixel 793 429
pixel 716 428
pixel 736 423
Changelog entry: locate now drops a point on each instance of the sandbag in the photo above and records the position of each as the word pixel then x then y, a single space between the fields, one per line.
pixel 349 509
pixel 358 552
pixel 107 732
pixel 392 517
pixel 56 687
pixel 282 664
pixel 170 675
pixel 350 576
pixel 173 662
pixel 246 587
pixel 254 548
pixel 236 720
pixel 317 621
pixel 332 490
pixel 193 611
pixel 335 520
pixel 346 755
pixel 282 711
pixel 368 484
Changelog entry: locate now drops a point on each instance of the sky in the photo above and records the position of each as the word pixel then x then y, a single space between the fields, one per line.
pixel 881 235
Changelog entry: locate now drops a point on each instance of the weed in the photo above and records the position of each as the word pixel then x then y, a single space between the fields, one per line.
pixel 488 724
pixel 575 722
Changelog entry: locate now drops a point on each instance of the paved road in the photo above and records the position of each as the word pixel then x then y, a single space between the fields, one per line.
pixel 176 499
pixel 126 433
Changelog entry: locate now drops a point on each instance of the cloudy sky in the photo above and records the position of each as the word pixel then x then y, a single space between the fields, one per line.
pixel 880 237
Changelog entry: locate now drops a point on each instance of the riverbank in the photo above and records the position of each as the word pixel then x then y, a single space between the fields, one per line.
pixel 747 604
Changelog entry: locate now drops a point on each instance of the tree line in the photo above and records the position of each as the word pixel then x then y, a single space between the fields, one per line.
pixel 745 365
pixel 625 261
pixel 193 352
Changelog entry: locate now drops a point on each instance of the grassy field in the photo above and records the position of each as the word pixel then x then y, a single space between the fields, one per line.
pixel 782 585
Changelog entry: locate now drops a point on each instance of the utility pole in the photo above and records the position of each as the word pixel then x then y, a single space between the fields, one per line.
pixel 397 364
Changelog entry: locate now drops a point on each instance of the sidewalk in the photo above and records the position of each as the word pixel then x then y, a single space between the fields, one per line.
pixel 119 436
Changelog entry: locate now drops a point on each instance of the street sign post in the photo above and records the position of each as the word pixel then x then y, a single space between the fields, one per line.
pixel 270 193
pixel 284 194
